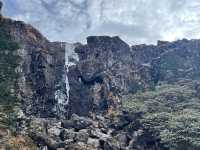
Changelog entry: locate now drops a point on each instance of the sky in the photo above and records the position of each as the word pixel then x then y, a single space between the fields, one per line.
pixel 135 21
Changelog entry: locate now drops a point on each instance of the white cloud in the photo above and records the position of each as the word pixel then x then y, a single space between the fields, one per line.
pixel 136 21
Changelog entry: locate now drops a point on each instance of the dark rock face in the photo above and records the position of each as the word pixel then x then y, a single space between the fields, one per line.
pixel 76 123
pixel 108 68
pixel 1 4
pixel 168 61
pixel 41 69
pixel 103 72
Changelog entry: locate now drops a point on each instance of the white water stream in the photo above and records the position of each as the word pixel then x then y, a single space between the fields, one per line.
pixel 62 98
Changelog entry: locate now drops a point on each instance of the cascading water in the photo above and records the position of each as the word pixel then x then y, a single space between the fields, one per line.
pixel 68 48
pixel 62 94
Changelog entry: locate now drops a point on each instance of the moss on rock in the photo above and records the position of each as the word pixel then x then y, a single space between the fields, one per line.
pixel 9 60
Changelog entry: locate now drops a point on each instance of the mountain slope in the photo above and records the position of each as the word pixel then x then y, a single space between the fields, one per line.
pixel 101 95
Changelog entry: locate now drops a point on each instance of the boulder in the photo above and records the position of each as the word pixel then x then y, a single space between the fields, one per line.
pixel 43 139
pixel 107 145
pixel 80 146
pixel 123 139
pixel 97 133
pixel 82 136
pixel 77 122
pixel 94 142
pixel 68 124
pixel 67 134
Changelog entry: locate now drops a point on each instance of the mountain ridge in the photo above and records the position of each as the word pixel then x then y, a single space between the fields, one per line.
pixel 78 96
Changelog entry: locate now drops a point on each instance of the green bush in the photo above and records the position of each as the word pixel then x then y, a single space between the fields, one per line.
pixel 9 60
pixel 171 111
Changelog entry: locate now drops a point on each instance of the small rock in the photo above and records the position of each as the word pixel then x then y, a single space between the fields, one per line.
pixel 107 145
pixel 68 124
pixel 45 140
pixel 45 148
pixel 123 139
pixel 98 134
pixel 69 141
pixel 67 134
pixel 77 122
pixel 79 146
pixel 93 142
pixel 120 123
pixel 82 136
pixel 54 131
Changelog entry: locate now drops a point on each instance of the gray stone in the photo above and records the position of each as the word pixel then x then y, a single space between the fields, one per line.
pixel 77 122
pixel 68 124
pixel 67 134
pixel 110 146
pixel 43 139
pixel 55 130
pixel 68 141
pixel 93 142
pixel 96 133
pixel 82 136
pixel 122 139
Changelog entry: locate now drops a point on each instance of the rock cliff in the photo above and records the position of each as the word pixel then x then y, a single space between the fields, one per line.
pixel 40 70
pixel 85 96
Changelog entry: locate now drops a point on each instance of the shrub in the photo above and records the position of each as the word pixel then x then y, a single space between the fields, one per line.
pixel 9 60
pixel 172 111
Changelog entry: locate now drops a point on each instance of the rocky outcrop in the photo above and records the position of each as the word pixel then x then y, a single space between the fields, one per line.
pixel 104 71
pixel 98 74
pixel 108 68
pixel 99 133
pixel 41 69
pixel 168 61
pixel 1 4
pixel 71 94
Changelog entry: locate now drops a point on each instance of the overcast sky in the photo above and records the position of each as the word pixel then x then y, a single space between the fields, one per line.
pixel 135 21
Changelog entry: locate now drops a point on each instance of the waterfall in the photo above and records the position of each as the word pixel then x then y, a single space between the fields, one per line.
pixel 62 94
pixel 67 50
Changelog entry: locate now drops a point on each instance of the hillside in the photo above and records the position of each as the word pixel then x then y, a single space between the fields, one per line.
pixel 102 95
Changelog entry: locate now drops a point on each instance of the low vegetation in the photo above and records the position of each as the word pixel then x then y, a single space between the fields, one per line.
pixel 172 112
pixel 9 104
pixel 9 60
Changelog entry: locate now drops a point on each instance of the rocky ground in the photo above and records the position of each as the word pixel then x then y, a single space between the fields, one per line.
pixel 119 132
